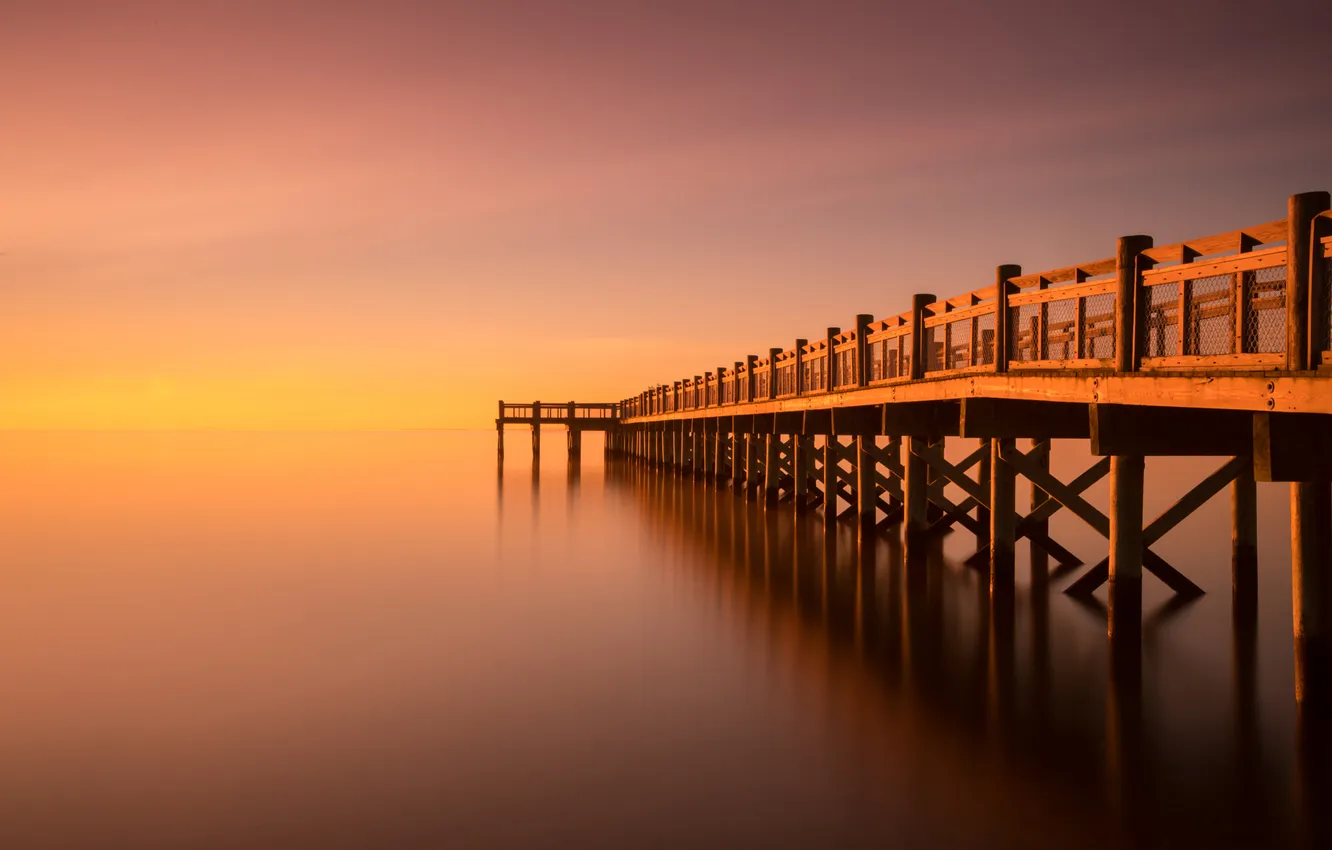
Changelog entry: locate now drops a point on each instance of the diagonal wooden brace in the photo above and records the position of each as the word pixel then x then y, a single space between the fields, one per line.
pixel 1059 491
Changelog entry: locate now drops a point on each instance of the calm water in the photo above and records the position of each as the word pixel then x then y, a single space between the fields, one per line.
pixel 376 641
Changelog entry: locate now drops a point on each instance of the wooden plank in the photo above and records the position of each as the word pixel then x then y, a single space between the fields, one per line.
pixel 1061 293
pixel 1215 268
pixel 1272 231
pixel 1093 269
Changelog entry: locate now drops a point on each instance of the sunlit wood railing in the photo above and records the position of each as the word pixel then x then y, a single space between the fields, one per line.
pixel 1217 304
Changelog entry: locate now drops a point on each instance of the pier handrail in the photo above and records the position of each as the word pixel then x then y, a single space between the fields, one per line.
pixel 1238 301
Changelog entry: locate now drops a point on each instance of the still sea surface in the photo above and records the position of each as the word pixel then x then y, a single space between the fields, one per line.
pixel 386 640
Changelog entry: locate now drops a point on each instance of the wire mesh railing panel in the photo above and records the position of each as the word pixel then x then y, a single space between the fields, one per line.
pixel 902 358
pixel 984 353
pixel 877 359
pixel 1097 331
pixel 1265 310
pixel 1162 312
pixel 935 341
pixel 845 365
pixel 1211 316
pixel 1059 324
pixel 960 343
pixel 1024 333
pixel 786 379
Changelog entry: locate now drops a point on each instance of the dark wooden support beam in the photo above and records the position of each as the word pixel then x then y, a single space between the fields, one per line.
pixel 788 421
pixel 1292 447
pixel 816 422
pixel 1016 418
pixel 932 419
pixel 865 421
pixel 1121 429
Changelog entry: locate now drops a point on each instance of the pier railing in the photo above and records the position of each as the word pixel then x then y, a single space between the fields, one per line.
pixel 557 412
pixel 1221 304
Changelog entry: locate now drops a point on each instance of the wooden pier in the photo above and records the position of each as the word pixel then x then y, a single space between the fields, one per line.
pixel 1220 346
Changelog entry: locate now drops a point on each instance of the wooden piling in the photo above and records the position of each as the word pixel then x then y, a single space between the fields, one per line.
pixel 1039 453
pixel 916 517
pixel 771 476
pixel 983 477
pixel 1311 585
pixel 1302 209
pixel 802 448
pixel 1126 487
pixel 830 461
pixel 751 466
pixel 1244 541
pixel 1003 504
pixel 1130 262
pixel 1002 275
pixel 867 488
pixel 719 470
pixel 536 431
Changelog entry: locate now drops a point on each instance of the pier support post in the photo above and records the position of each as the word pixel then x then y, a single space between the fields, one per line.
pixel 723 439
pixel 867 489
pixel 771 475
pixel 983 473
pixel 1244 544
pixel 1003 503
pixel 1301 209
pixel 1040 560
pixel 830 460
pixel 536 432
pixel 801 448
pixel 1126 484
pixel 575 444
pixel 916 490
pixel 1311 586
pixel 751 466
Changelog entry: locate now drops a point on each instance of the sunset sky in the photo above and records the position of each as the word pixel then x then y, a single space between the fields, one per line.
pixel 317 214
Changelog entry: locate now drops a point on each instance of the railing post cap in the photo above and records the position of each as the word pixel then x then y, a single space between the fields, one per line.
pixel 1136 242
pixel 1319 199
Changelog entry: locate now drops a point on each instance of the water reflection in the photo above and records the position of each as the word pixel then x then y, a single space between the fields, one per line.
pixel 1071 734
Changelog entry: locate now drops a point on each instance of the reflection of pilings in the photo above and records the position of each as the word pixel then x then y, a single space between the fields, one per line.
pixel 1124 746
pixel 1250 791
